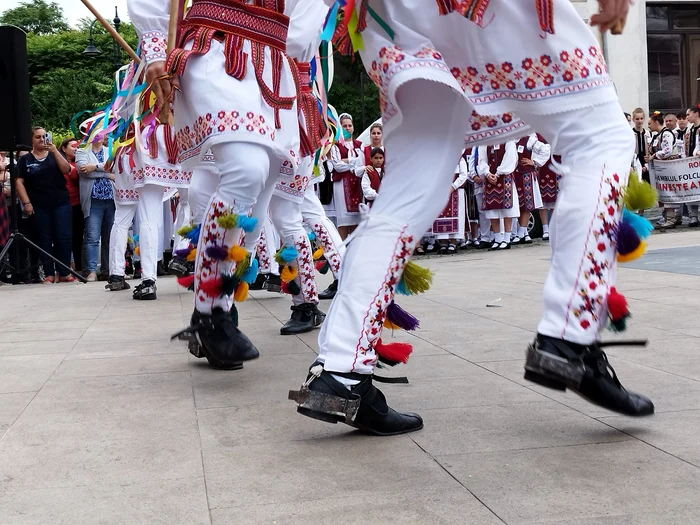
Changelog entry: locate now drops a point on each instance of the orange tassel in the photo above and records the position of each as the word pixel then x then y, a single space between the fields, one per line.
pixel 241 292
pixel 236 253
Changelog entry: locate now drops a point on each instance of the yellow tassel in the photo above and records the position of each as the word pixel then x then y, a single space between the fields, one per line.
pixel 185 230
pixel 191 256
pixel 288 273
pixel 633 256
pixel 137 252
pixel 318 254
pixel 236 253
pixel 391 326
pixel 241 292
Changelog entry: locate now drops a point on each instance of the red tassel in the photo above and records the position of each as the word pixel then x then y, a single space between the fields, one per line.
pixel 285 287
pixel 393 352
pixel 186 281
pixel 211 287
pixel 617 305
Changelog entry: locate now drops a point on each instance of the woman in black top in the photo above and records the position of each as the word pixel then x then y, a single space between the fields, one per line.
pixel 41 187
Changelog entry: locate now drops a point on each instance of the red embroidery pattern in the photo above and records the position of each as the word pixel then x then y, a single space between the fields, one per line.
pixel 305 268
pixel 294 186
pixel 126 196
pixel 392 60
pixel 190 140
pixel 374 318
pixel 153 46
pixel 448 221
pixel 264 256
pixel 589 298
pixel 534 77
pixel 163 176
pixel 212 233
pixel 330 251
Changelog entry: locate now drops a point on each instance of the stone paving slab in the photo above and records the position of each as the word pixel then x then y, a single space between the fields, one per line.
pixel 103 420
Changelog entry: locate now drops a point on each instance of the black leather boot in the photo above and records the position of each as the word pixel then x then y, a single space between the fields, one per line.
pixel 116 283
pixel 217 338
pixel 560 364
pixel 180 267
pixel 259 283
pixel 305 317
pixel 146 291
pixel 273 284
pixel 329 293
pixel 363 406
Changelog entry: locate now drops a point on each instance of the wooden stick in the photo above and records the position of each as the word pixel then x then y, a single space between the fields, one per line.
pixel 126 47
pixel 172 24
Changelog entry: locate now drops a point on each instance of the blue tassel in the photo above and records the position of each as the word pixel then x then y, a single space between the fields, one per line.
pixel 193 236
pixel 401 288
pixel 247 224
pixel 251 272
pixel 642 226
pixel 136 238
pixel 312 236
pixel 286 255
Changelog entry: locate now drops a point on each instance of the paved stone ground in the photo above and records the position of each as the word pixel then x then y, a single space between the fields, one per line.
pixel 103 420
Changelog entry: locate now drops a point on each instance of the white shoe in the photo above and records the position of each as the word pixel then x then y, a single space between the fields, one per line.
pixel 92 277
pixel 545 236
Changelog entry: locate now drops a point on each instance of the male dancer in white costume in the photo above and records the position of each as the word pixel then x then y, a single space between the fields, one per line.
pixel 448 73
pixel 236 95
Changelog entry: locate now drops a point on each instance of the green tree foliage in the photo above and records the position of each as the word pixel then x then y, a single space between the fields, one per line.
pixel 37 16
pixel 346 93
pixel 63 81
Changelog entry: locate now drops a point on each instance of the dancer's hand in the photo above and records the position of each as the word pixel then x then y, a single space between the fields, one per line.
pixel 527 162
pixel 611 16
pixel 162 86
pixel 492 178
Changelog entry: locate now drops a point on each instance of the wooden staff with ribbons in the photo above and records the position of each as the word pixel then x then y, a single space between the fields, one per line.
pixel 126 47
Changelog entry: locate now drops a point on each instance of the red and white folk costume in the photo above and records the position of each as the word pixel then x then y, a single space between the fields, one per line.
pixel 444 79
pixel 451 222
pixel 347 186
pixel 531 155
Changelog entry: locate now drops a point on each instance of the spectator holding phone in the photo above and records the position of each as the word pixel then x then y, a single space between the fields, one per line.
pixel 41 188
pixel 97 201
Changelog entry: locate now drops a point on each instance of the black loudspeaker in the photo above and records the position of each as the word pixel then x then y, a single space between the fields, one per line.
pixel 16 127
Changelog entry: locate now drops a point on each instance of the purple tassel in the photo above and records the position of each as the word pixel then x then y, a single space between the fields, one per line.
pixel 627 238
pixel 401 317
pixel 220 253
pixel 182 253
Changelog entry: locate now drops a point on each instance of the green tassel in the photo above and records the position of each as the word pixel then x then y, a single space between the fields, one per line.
pixel 185 230
pixel 639 195
pixel 242 267
pixel 227 221
pixel 415 279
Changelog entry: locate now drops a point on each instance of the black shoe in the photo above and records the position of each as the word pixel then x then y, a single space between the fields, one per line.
pixel 504 246
pixel 137 270
pixel 305 317
pixel 363 406
pixel 329 293
pixel 180 267
pixel 259 283
pixel 146 291
pixel 559 364
pixel 116 283
pixel 160 270
pixel 273 284
pixel 217 338
pixel 483 245
pixel 494 246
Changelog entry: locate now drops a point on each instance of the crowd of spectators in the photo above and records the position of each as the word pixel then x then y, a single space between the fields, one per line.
pixel 65 205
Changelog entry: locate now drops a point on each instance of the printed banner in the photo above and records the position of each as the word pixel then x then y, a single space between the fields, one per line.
pixel 676 181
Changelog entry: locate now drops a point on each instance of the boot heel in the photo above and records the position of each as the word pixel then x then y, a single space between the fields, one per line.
pixel 544 381
pixel 328 418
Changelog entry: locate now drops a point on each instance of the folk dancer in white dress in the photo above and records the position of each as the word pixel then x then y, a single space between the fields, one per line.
pixel 497 165
pixel 347 190
pixel 450 225
pixel 532 153
pixel 445 73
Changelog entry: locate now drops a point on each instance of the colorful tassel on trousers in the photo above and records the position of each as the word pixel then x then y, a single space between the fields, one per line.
pixel 392 353
pixel 617 311
pixel 415 280
pixel 399 319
